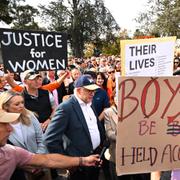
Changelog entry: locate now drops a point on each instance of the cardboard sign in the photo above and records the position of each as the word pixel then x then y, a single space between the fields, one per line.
pixel 148 132
pixel 22 50
pixel 148 57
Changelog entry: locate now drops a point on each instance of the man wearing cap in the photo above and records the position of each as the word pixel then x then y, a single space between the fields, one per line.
pixel 12 156
pixel 75 119
pixel 37 99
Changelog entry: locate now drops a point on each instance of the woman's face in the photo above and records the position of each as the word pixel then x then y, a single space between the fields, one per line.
pixel 111 74
pixel 16 104
pixel 99 80
pixel 75 73
pixel 118 66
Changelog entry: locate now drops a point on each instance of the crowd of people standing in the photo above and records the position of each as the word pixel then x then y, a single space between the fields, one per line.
pixel 70 112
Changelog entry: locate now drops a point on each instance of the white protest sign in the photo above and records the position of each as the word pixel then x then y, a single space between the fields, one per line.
pixel 148 57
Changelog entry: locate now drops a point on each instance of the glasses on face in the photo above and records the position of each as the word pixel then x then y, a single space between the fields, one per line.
pixel 89 91
pixel 31 73
pixel 111 72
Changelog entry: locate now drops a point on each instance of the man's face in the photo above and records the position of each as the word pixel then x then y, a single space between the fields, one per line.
pixel 94 61
pixel 85 94
pixel 35 83
pixel 75 73
pixel 5 130
pixel 51 74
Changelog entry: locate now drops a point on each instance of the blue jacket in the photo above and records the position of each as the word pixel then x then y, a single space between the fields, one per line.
pixel 69 124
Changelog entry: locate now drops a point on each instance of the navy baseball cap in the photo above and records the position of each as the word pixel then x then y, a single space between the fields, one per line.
pixel 87 82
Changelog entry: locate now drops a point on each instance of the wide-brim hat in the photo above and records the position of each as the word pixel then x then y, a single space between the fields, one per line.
pixel 7 117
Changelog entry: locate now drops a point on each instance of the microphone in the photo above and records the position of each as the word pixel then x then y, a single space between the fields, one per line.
pixel 106 145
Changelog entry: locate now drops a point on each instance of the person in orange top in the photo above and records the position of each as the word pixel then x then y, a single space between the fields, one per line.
pixel 111 84
pixel 50 87
pixel 37 97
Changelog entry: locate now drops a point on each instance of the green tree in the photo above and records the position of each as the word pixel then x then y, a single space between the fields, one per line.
pixel 138 33
pixel 111 48
pixel 24 17
pixel 17 15
pixel 161 18
pixel 5 11
pixel 84 21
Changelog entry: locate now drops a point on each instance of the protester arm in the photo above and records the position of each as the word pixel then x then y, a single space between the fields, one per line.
pixel 54 85
pixel 45 124
pixel 10 80
pixel 101 116
pixel 61 161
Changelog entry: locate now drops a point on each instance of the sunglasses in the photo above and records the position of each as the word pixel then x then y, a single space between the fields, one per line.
pixel 31 73
pixel 111 72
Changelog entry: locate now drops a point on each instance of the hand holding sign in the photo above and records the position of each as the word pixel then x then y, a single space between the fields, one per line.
pixel 63 77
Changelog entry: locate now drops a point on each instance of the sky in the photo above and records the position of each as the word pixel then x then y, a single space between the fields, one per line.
pixel 124 11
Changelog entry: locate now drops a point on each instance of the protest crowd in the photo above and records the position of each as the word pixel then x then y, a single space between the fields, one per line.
pixel 72 112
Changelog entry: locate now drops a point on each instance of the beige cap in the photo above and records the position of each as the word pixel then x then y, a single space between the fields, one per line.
pixel 29 74
pixel 7 117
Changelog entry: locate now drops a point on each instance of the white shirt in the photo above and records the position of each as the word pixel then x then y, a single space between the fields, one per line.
pixel 55 94
pixel 91 121
pixel 18 130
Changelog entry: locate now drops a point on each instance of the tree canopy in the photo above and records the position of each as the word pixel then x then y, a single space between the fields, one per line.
pixel 161 18
pixel 18 15
pixel 5 11
pixel 84 21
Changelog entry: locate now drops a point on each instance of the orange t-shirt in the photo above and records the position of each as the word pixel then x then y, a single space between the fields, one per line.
pixel 110 88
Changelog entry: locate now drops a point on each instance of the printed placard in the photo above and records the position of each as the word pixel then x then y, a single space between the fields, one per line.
pixel 148 57
pixel 22 50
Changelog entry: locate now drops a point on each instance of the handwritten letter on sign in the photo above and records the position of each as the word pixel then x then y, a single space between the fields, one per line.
pixel 148 136
pixel 35 50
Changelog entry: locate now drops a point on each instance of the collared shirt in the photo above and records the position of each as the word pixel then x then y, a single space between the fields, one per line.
pixel 10 158
pixel 91 121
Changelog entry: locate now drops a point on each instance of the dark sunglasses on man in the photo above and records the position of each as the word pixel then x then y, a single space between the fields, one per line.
pixel 111 72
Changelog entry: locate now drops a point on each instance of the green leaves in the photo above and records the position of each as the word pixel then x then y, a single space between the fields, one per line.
pixel 85 22
pixel 162 17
